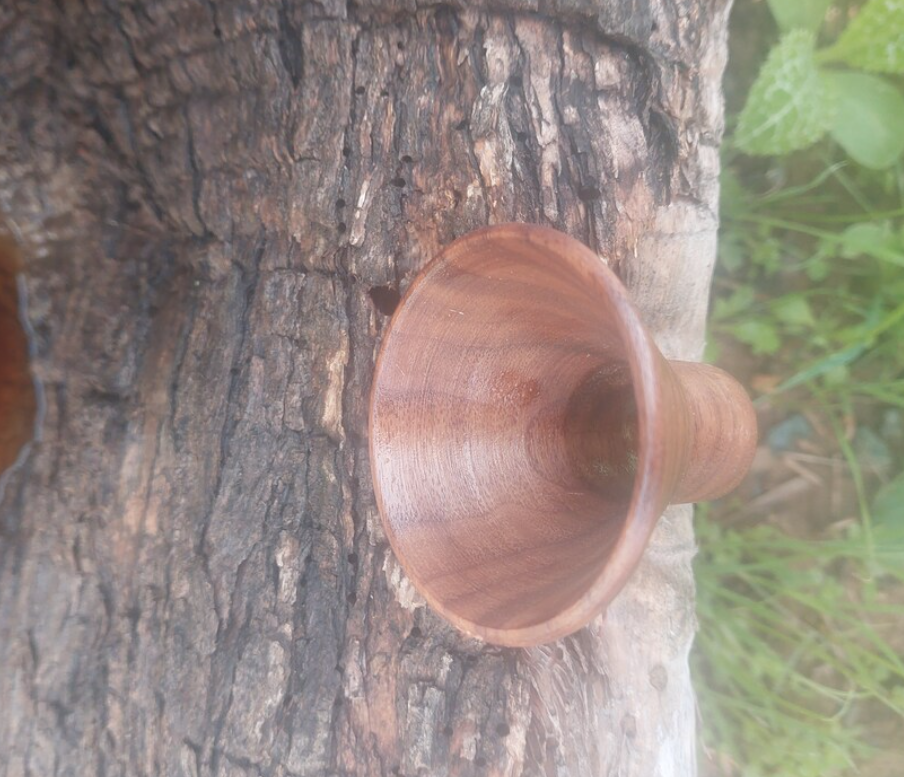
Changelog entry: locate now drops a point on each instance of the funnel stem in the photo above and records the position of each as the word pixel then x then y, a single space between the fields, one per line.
pixel 723 432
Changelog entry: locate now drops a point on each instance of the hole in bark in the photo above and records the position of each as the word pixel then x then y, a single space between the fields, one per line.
pixel 462 125
pixel 456 197
pixel 217 33
pixel 353 559
pixel 346 151
pixel 352 598
pixel 384 93
pixel 653 26
pixel 522 136
pixel 18 401
pixel 400 46
pixel 341 227
pixel 503 730
pixel 385 298
pixel 340 203
pixel 516 81
pixel 359 90
pixel 588 193
pixel 407 159
pixel 415 633
pixel 398 181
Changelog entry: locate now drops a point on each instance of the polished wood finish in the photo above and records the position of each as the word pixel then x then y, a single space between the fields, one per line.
pixel 526 434
pixel 18 403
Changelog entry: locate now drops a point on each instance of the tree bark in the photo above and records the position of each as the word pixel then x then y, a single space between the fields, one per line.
pixel 216 204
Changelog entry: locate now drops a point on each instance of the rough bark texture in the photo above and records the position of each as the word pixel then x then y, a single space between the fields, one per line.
pixel 215 202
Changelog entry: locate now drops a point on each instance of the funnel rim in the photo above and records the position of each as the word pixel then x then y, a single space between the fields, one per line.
pixel 648 499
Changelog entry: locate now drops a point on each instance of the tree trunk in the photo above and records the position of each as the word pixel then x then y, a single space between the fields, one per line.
pixel 217 204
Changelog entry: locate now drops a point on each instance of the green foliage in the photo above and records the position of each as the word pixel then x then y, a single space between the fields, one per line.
pixel 793 641
pixel 760 335
pixel 799 15
pixel 888 510
pixel 794 311
pixel 787 653
pixel 785 648
pixel 776 248
pixel 874 239
pixel 797 97
pixel 869 124
pixel 874 40
pixel 790 105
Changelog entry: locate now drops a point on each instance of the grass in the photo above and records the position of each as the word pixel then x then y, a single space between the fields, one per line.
pixel 793 648
pixel 798 656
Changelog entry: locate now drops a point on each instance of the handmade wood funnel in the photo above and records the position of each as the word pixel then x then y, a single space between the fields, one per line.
pixel 526 434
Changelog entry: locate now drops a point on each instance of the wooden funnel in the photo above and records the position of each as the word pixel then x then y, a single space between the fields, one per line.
pixel 18 402
pixel 526 434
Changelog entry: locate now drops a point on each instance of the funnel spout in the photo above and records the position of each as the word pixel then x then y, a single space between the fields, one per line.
pixel 723 432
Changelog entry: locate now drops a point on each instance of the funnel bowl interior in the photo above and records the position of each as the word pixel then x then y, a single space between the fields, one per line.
pixel 505 429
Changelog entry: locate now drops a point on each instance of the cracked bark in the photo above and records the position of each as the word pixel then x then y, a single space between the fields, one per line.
pixel 216 203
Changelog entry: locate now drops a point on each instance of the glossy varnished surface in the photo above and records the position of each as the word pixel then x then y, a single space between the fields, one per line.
pixel 18 403
pixel 525 434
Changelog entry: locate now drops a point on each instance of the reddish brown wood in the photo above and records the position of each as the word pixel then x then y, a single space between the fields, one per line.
pixel 17 396
pixel 526 434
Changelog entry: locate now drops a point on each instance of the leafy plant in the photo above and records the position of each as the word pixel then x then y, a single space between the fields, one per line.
pixel 818 291
pixel 799 95
pixel 795 653
pixel 791 104
pixel 789 648
pixel 874 40
pixel 871 126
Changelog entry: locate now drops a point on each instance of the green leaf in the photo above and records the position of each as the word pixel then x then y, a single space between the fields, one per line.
pixel 838 375
pixel 874 40
pixel 790 105
pixel 873 240
pixel 818 270
pixel 793 310
pixel 759 335
pixel 869 124
pixel 823 366
pixel 864 238
pixel 768 254
pixel 799 14
pixel 740 299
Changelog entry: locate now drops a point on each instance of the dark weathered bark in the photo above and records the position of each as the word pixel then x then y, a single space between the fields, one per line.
pixel 215 201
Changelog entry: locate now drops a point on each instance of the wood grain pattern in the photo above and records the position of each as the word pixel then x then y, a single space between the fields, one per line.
pixel 18 403
pixel 526 434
